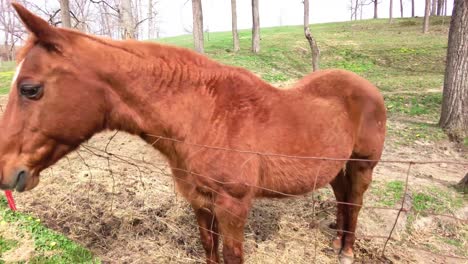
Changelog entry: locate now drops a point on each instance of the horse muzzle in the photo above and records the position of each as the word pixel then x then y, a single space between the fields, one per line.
pixel 18 181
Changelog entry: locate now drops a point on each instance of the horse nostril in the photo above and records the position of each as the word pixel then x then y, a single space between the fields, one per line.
pixel 21 180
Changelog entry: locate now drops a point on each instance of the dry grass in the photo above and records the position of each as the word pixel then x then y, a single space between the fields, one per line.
pixel 120 214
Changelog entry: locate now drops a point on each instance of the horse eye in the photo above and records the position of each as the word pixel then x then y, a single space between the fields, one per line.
pixel 31 91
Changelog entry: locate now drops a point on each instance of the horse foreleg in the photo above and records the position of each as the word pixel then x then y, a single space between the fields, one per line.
pixel 359 176
pixel 208 226
pixel 232 216
pixel 339 186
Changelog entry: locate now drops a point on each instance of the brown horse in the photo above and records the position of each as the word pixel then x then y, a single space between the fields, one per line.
pixel 70 85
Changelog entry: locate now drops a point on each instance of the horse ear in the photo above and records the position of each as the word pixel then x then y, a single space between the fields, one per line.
pixel 43 31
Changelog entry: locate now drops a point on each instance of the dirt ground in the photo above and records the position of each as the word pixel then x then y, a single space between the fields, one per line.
pixel 124 209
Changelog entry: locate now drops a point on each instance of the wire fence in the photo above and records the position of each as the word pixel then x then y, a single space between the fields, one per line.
pixel 144 167
pixel 162 168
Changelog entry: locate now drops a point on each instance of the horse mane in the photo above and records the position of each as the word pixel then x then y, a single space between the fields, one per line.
pixel 142 50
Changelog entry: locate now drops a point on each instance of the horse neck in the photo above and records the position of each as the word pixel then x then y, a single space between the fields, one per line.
pixel 157 96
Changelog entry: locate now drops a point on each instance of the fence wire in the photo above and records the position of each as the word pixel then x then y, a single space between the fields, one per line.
pixel 145 167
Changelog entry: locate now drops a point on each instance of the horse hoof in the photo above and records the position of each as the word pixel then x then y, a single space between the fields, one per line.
pixel 336 245
pixel 344 259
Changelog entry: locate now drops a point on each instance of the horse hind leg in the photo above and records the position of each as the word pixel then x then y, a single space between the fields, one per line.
pixel 358 176
pixel 339 185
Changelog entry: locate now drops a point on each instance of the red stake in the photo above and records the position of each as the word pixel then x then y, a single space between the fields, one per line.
pixel 11 201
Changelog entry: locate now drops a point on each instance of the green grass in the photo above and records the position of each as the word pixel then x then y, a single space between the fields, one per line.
pixel 395 57
pixel 437 200
pixel 5 81
pixel 390 193
pixel 6 244
pixel 406 65
pixel 49 246
pixel 411 131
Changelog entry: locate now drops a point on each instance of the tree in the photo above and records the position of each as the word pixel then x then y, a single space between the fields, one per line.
pixel 255 27
pixel 356 6
pixel 65 13
pixel 128 23
pixel 454 114
pixel 312 43
pixel 150 19
pixel 412 8
pixel 434 7
pixel 427 11
pixel 440 7
pixel 463 184
pixel 401 8
pixel 376 3
pixel 391 12
pixel 235 33
pixel 445 7
pixel 198 39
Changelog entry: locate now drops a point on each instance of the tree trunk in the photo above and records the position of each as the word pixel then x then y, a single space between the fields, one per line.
pixel 454 114
pixel 127 19
pixel 391 12
pixel 65 13
pixel 376 3
pixel 434 7
pixel 356 9
pixel 255 27
pixel 401 8
pixel 440 7
pixel 412 8
pixel 197 12
pixel 445 8
pixel 150 19
pixel 427 11
pixel 313 45
pixel 463 184
pixel 235 33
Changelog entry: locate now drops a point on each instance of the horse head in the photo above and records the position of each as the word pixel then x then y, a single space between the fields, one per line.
pixel 56 102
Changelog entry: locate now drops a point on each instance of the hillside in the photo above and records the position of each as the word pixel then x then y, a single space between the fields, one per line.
pixel 397 58
pixel 138 217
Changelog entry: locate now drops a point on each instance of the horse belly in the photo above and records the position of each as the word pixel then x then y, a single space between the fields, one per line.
pixel 282 177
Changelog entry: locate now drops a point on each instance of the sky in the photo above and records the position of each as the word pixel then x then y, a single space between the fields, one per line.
pixel 176 15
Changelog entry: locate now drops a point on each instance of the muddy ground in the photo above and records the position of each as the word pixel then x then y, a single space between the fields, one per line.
pixel 124 208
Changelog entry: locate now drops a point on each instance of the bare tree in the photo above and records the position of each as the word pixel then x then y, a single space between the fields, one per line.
pixel 12 30
pixel 391 12
pixel 440 7
pixel 197 12
pixel 434 7
pixel 401 8
pixel 255 27
pixel 445 7
pixel 65 13
pixel 312 43
pixel 150 19
pixel 356 8
pixel 427 11
pixel 376 4
pixel 454 114
pixel 128 23
pixel 235 33
pixel 412 8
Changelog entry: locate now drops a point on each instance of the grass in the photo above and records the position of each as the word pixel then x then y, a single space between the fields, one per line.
pixel 49 246
pixel 390 193
pixel 407 66
pixel 5 81
pixel 437 200
pixel 425 199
